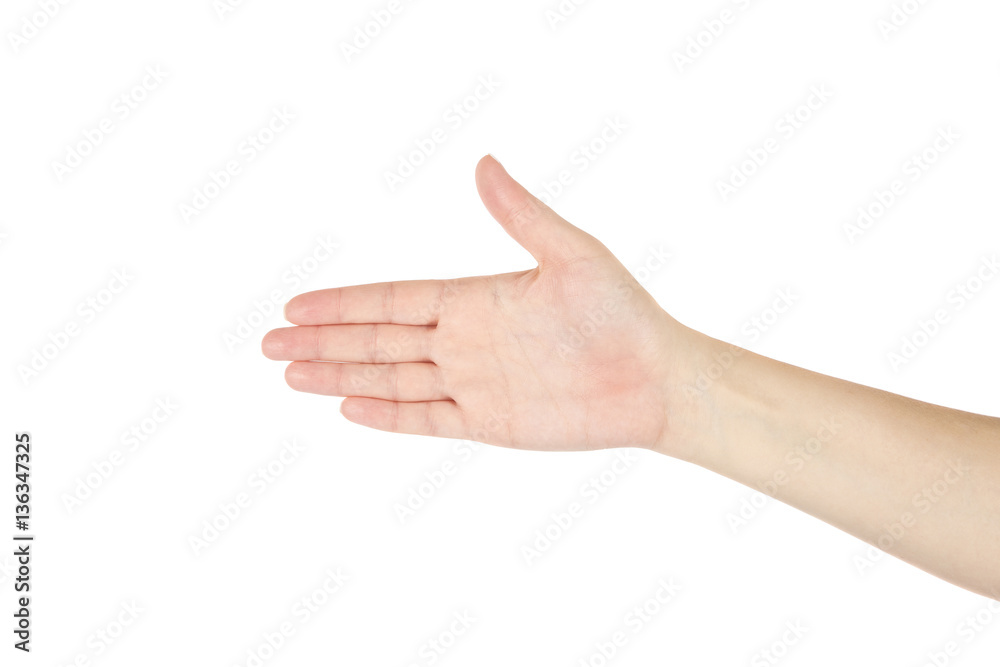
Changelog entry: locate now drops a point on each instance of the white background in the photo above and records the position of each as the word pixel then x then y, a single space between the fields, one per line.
pixel 656 186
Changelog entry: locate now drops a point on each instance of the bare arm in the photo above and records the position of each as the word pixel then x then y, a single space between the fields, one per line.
pixel 919 481
pixel 574 354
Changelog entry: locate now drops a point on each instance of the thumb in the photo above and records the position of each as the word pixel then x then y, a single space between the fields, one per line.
pixel 529 221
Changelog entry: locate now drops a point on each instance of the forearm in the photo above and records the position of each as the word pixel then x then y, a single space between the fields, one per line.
pixel 574 354
pixel 919 481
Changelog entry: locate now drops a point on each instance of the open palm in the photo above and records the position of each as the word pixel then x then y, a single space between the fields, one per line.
pixel 568 355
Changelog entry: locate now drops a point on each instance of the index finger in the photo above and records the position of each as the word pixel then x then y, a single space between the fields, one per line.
pixel 399 302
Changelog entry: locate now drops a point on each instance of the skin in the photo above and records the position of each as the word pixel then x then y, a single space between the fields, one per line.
pixel 575 355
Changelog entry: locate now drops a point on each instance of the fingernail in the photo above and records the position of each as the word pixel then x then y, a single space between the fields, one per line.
pixel 495 158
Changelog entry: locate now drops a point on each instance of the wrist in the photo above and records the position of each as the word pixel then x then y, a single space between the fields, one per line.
pixel 738 413
pixel 695 364
pixel 717 394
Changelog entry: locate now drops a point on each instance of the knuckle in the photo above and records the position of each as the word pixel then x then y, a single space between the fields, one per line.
pixel 388 301
pixel 394 417
pixel 392 382
pixel 430 425
pixel 373 343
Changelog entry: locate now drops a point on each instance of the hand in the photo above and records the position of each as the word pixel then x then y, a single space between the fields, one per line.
pixel 572 354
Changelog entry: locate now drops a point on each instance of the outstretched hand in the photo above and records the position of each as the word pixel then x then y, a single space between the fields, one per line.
pixel 572 354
